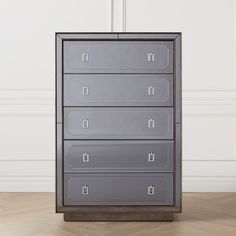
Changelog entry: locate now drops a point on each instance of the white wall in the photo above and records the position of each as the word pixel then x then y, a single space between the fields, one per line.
pixel 27 82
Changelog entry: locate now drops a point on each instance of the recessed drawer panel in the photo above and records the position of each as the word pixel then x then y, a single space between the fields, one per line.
pixel 118 56
pixel 118 123
pixel 115 189
pixel 118 90
pixel 118 156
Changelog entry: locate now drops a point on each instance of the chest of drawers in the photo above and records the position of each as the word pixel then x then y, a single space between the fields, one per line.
pixel 118 126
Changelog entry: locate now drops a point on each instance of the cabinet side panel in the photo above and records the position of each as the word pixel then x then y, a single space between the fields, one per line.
pixel 178 79
pixel 178 120
pixel 58 116
pixel 59 171
pixel 58 79
pixel 178 167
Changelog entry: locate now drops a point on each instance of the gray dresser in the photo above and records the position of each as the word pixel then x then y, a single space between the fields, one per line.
pixel 118 126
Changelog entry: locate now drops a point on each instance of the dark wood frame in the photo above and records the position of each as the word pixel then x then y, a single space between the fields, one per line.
pixel 114 212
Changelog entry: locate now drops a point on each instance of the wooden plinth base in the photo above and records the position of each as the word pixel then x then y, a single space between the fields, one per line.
pixel 117 216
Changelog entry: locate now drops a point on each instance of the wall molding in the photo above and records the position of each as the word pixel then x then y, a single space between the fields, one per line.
pixel 209 184
pixel 42 102
pixel 47 184
pixel 27 184
pixel 118 15
pixel 27 97
pixel 46 168
pixel 27 102
pixel 38 176
pixel 47 96
pixel 209 97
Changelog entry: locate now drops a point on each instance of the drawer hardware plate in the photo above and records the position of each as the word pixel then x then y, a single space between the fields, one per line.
pixel 151 123
pixel 151 157
pixel 85 123
pixel 85 157
pixel 85 189
pixel 85 57
pixel 151 56
pixel 85 90
pixel 151 90
pixel 151 190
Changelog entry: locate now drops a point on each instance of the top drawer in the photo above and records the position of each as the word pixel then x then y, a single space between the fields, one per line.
pixel 118 57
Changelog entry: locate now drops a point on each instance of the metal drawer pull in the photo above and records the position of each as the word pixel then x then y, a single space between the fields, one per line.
pixel 85 90
pixel 151 123
pixel 151 56
pixel 151 157
pixel 85 57
pixel 151 190
pixel 85 123
pixel 151 90
pixel 85 189
pixel 85 157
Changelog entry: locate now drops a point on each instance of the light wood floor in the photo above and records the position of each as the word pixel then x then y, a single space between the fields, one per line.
pixel 30 214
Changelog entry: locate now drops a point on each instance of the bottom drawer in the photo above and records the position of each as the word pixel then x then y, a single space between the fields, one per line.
pixel 115 189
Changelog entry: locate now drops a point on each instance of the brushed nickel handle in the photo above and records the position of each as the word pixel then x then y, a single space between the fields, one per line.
pixel 151 190
pixel 85 157
pixel 85 90
pixel 151 123
pixel 151 90
pixel 85 123
pixel 85 189
pixel 151 56
pixel 85 57
pixel 151 157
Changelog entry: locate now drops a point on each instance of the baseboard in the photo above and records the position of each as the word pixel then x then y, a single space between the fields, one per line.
pixel 47 184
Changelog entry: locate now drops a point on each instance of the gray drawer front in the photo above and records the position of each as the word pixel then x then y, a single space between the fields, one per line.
pixel 118 90
pixel 115 189
pixel 118 123
pixel 118 156
pixel 118 56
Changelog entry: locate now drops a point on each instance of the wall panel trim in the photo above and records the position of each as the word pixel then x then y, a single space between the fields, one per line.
pixel 47 184
pixel 118 15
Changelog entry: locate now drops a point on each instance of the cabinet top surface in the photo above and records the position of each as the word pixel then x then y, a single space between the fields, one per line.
pixel 119 35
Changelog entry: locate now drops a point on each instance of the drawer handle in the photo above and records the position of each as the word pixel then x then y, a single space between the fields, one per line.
pixel 151 90
pixel 151 190
pixel 85 123
pixel 85 157
pixel 85 57
pixel 85 90
pixel 151 123
pixel 85 189
pixel 151 157
pixel 151 56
